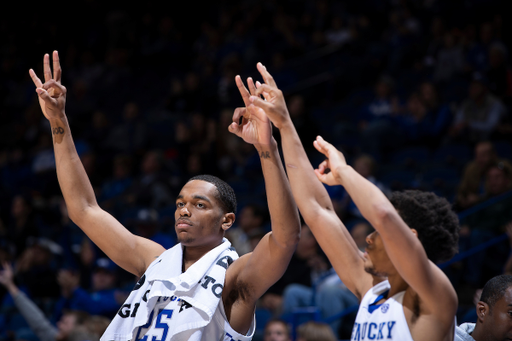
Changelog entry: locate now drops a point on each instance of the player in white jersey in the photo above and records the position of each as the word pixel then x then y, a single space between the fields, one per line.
pixel 412 234
pixel 205 210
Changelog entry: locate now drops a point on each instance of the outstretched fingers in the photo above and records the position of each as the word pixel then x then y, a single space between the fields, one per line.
pixel 321 145
pixel 57 71
pixel 35 79
pixel 267 77
pixel 46 68
pixel 243 90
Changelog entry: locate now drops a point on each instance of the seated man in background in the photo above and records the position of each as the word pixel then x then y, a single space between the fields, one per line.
pixel 494 314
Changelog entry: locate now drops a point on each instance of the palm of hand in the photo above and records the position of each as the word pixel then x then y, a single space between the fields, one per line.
pixel 256 130
pixel 50 107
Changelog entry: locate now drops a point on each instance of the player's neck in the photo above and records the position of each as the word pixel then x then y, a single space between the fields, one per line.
pixel 479 334
pixel 397 284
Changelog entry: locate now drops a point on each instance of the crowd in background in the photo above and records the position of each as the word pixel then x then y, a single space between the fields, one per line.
pixel 417 93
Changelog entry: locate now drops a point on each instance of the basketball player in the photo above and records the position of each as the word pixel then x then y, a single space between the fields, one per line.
pixel 199 289
pixel 413 231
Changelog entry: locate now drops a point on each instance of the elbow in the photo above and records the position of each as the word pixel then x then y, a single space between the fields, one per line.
pixel 383 213
pixel 79 215
pixel 288 241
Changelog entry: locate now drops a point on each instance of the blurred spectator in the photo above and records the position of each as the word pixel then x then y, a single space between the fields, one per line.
pixel 276 330
pixel 449 60
pixel 479 114
pixel 498 180
pixel 471 188
pixel 70 324
pixel 39 260
pixel 439 115
pixel 379 132
pixel 499 73
pixel 146 224
pixel 130 135
pixel 306 266
pixel 477 54
pixel 315 331
pixel 22 224
pixel 151 188
pixel 119 183
pixel 103 299
pixel 306 127
pixel 487 223
pixel 250 223
pixel 338 33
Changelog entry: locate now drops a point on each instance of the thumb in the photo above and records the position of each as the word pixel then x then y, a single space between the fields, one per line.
pixel 323 146
pixel 320 176
pixel 43 94
pixel 235 128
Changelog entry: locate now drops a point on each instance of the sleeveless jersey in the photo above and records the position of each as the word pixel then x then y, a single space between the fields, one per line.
pixel 160 324
pixel 381 322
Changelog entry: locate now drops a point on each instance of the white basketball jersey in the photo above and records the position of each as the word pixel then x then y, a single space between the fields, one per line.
pixel 160 324
pixel 381 322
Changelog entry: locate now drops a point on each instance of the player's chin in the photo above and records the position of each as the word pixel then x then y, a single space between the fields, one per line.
pixel 185 240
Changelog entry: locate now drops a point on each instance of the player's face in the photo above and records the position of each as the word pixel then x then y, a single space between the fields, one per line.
pixel 377 262
pixel 276 331
pixel 198 216
pixel 499 322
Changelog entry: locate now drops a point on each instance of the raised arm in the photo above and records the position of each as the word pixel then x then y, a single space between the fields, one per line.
pixel 131 252
pixel 273 253
pixel 310 195
pixel 400 241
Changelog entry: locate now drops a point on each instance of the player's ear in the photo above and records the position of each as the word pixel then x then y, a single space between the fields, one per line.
pixel 482 310
pixel 228 220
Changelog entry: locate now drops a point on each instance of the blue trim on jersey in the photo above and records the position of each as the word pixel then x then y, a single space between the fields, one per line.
pixel 374 306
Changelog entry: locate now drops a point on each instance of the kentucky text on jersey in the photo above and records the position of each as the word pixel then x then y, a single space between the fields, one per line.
pixel 373 331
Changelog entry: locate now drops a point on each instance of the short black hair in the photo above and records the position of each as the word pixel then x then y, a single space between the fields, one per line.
pixel 495 289
pixel 225 193
pixel 434 220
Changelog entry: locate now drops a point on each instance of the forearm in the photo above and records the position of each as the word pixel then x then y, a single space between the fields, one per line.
pixel 73 180
pixel 309 193
pixel 35 318
pixel 369 199
pixel 283 210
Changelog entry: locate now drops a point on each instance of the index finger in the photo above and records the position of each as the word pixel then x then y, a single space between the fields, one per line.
pixel 57 71
pixel 35 79
pixel 46 68
pixel 267 77
pixel 243 90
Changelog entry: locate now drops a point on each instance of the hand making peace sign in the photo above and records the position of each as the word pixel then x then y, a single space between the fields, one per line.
pixel 52 94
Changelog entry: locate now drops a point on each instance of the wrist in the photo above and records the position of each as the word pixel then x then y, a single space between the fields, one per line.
pixel 342 172
pixel 266 147
pixel 12 288
pixel 285 125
